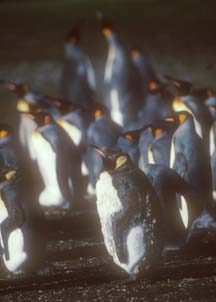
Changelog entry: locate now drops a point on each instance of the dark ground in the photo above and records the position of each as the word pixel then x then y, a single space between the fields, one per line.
pixel 77 268
pixel 179 37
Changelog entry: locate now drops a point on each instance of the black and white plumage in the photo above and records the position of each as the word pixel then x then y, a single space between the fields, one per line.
pixel 21 237
pixel 59 163
pixel 129 213
pixel 122 82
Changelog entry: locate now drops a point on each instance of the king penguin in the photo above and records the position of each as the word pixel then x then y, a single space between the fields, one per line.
pixel 102 131
pixel 22 236
pixel 59 163
pixel 78 79
pixel 130 214
pixel 122 82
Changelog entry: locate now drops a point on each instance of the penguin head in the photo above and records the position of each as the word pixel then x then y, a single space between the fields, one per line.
pixel 171 123
pixel 5 131
pixel 20 89
pixel 41 117
pixel 7 175
pixel 106 26
pixel 99 110
pixel 133 136
pixel 183 87
pixel 156 87
pixel 73 37
pixel 156 130
pixel 210 103
pixel 113 160
pixel 135 53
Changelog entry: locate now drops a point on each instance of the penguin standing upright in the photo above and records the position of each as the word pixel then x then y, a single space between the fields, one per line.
pixel 122 82
pixel 130 214
pixel 78 78
pixel 21 232
pixel 59 163
pixel 145 69
pixel 102 131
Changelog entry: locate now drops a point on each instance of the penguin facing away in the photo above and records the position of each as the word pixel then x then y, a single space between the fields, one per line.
pixel 21 239
pixel 78 78
pixel 129 213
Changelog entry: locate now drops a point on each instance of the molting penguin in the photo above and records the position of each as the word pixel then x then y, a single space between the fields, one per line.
pixel 123 92
pixel 102 131
pixel 21 232
pixel 59 163
pixel 78 78
pixel 130 214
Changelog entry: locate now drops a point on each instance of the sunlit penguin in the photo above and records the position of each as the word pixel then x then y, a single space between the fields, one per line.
pixel 78 78
pixel 130 214
pixel 58 161
pixel 157 105
pixel 122 82
pixel 145 69
pixel 128 142
pixel 176 221
pixel 102 131
pixel 21 232
pixel 189 159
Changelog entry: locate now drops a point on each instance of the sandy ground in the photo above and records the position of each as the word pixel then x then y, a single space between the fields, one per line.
pixel 77 268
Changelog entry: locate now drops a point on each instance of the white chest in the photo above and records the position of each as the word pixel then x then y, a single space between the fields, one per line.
pixel 116 113
pixel 211 141
pixel 3 211
pixel 109 65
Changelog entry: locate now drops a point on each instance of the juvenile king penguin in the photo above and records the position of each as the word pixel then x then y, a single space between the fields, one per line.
pixel 59 163
pixel 122 82
pixel 21 233
pixel 78 78
pixel 130 214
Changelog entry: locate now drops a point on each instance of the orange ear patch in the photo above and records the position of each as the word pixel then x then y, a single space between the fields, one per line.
pixel 3 133
pixel 47 120
pixel 158 132
pixel 135 53
pixel 152 85
pixel 182 118
pixel 107 32
pixel 129 137
pixel 97 113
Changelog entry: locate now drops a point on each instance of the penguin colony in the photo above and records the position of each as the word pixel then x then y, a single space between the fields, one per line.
pixel 147 153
